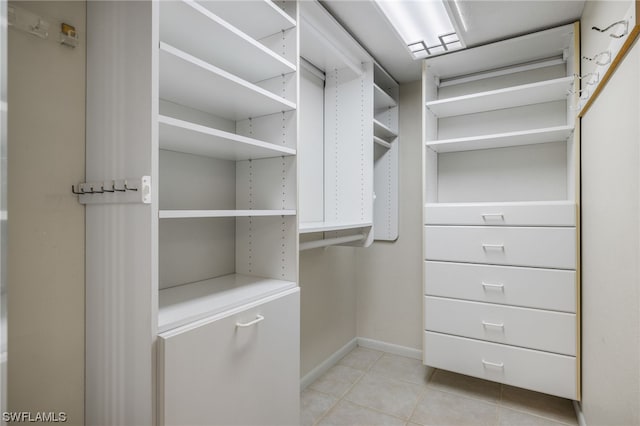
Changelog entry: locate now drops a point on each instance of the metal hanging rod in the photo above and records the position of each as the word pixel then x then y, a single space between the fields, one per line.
pixel 558 60
pixel 307 245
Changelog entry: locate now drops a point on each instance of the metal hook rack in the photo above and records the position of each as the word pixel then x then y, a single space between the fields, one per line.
pixel 615 24
pixel 114 192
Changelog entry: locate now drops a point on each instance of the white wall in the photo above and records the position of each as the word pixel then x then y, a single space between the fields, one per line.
pixel 389 274
pixel 46 94
pixel 611 250
pixel 327 303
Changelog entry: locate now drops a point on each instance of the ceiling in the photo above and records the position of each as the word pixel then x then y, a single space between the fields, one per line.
pixel 485 20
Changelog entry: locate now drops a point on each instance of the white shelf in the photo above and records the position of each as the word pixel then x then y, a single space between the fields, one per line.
pixel 525 137
pixel 256 18
pixel 309 227
pixel 185 214
pixel 382 99
pixel 327 45
pixel 191 302
pixel 183 136
pixel 189 81
pixel 382 79
pixel 382 131
pixel 381 142
pixel 526 94
pixel 191 27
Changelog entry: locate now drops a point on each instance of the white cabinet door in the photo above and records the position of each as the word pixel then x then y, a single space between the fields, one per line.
pixel 526 246
pixel 536 370
pixel 525 327
pixel 217 372
pixel 551 289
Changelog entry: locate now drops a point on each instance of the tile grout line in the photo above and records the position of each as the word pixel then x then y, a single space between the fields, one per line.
pixel 415 407
pixel 369 370
pixel 364 372
pixel 521 411
pixel 498 404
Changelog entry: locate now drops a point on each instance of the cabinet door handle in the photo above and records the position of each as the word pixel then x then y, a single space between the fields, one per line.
pixel 492 324
pixel 250 323
pixel 486 216
pixel 493 364
pixel 492 246
pixel 489 285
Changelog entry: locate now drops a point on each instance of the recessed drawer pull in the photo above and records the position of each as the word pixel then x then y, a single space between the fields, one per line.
pixel 492 246
pixel 496 286
pixel 250 323
pixel 486 216
pixel 492 324
pixel 493 364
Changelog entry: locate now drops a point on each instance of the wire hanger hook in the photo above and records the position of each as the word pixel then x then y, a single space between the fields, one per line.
pixel 624 33
pixel 597 58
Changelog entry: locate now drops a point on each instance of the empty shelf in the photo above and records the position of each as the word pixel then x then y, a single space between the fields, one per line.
pixel 382 99
pixel 191 302
pixel 256 18
pixel 525 137
pixel 233 50
pixel 183 136
pixel 381 142
pixel 526 94
pixel 183 214
pixel 189 81
pixel 309 227
pixel 382 131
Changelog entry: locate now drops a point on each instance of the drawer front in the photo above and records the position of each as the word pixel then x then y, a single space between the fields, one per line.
pixel 529 328
pixel 532 246
pixel 539 371
pixel 502 214
pixel 219 373
pixel 551 289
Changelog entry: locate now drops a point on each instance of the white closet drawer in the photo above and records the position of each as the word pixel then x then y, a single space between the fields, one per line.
pixel 528 328
pixel 551 289
pixel 526 246
pixel 216 372
pixel 539 371
pixel 552 213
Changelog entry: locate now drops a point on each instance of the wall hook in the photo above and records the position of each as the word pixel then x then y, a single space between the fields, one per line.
pixel 598 58
pixel 80 192
pixel 589 78
pixel 624 33
pixel 126 188
pixel 580 93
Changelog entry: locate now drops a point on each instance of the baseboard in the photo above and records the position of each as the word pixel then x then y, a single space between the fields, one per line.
pixel 390 348
pixel 579 414
pixel 325 365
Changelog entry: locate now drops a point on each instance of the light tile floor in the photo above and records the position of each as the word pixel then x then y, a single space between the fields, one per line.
pixel 372 388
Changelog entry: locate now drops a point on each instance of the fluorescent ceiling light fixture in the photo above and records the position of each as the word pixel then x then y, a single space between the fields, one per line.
pixel 424 25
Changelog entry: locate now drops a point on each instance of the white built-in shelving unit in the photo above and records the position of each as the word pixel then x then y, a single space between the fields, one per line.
pixel 386 155
pixel 336 142
pixel 210 264
pixel 501 212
